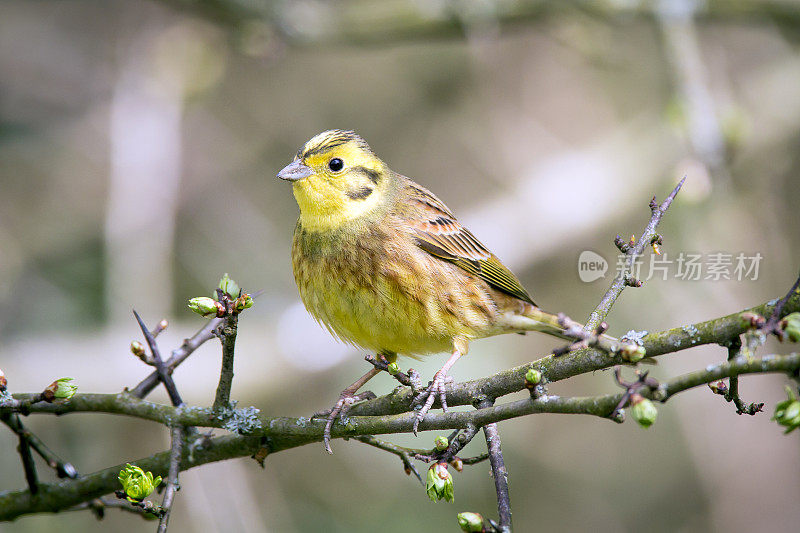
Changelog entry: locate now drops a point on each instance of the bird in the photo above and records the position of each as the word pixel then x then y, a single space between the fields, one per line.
pixel 385 265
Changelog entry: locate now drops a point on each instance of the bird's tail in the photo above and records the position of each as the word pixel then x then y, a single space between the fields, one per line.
pixel 534 319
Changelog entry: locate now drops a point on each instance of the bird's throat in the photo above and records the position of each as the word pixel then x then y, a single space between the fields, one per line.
pixel 326 209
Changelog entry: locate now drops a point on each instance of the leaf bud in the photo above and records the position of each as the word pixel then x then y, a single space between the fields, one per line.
pixel 229 286
pixel 137 483
pixel 439 485
pixel 643 411
pixel 470 522
pixel 205 306
pixel 441 443
pixel 532 377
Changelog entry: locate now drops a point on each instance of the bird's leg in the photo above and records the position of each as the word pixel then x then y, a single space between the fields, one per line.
pixel 347 399
pixel 436 388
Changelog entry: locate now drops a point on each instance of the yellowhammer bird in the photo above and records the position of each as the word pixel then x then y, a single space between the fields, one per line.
pixel 385 265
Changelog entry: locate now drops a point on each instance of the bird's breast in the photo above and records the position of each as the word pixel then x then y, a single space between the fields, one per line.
pixel 380 291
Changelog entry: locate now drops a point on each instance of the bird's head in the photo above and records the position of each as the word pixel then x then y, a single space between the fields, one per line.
pixel 336 179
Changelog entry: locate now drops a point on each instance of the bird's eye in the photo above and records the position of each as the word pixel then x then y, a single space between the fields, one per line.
pixel 336 164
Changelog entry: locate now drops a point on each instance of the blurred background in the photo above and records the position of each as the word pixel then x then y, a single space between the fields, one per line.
pixel 139 142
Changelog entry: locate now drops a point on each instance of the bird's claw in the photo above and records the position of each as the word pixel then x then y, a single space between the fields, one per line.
pixel 347 399
pixel 436 387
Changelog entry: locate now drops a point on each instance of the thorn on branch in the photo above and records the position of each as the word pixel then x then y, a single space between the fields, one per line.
pixel 163 373
pixel 176 358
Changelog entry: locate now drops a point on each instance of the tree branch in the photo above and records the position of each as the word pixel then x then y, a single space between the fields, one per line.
pixel 227 334
pixel 285 433
pixel 62 468
pixel 177 357
pixel 369 23
pixel 717 331
pixel 161 367
pixel 632 252
pixel 172 479
pixel 499 472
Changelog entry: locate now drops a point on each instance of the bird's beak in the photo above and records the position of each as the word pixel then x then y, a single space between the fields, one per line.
pixel 294 171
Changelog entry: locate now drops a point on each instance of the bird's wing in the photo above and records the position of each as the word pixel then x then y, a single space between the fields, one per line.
pixel 440 234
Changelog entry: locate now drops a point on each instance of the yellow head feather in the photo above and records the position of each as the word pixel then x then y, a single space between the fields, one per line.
pixel 345 180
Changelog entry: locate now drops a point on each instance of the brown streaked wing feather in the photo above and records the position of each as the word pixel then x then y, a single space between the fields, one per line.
pixel 440 234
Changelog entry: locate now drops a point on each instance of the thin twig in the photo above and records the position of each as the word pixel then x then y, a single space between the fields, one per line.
pixel 172 478
pixel 499 472
pixel 24 449
pixel 732 392
pixel 63 469
pixel 772 325
pixel 381 364
pixel 585 338
pixel 227 334
pixel 631 388
pixel 475 460
pixel 623 279
pixel 99 505
pixel 161 368
pixel 178 356
pixel 404 454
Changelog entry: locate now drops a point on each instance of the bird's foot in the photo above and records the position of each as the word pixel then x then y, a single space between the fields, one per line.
pixel 428 396
pixel 347 399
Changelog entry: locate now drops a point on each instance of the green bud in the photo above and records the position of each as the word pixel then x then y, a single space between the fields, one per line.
pixel 393 369
pixel 204 306
pixel 229 286
pixel 245 302
pixel 63 389
pixel 533 377
pixel 440 483
pixel 633 353
pixel 470 522
pixel 441 443
pixel 787 412
pixel 791 327
pixel 643 411
pixel 137 483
